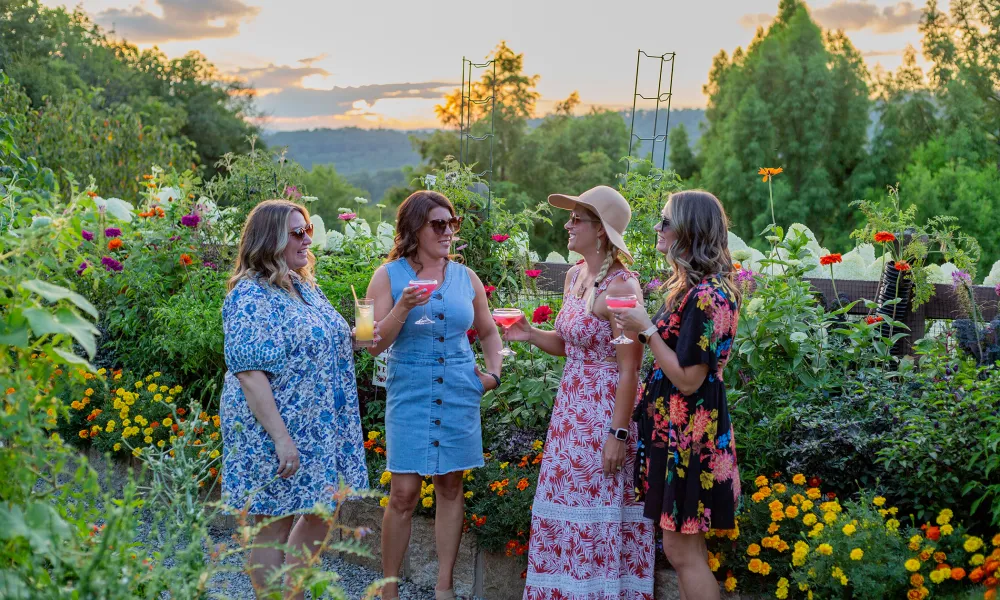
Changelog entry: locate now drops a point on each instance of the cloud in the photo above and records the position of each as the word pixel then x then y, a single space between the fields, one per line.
pixel 181 20
pixel 314 59
pixel 298 102
pixel 755 20
pixel 852 15
pixel 279 76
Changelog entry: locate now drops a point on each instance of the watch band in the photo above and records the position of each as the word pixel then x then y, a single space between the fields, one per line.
pixel 495 377
pixel 620 433
pixel 646 334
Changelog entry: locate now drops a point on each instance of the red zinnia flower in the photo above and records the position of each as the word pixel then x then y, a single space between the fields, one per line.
pixel 533 273
pixel 831 495
pixel 872 319
pixel 489 290
pixel 902 265
pixel 185 259
pixel 500 237
pixel 815 481
pixel 933 533
pixel 830 259
pixel 883 237
pixel 472 334
pixel 541 315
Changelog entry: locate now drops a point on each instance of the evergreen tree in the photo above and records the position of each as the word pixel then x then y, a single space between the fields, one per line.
pixel 682 159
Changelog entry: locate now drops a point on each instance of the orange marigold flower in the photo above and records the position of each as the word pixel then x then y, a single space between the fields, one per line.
pixel 872 319
pixel 902 265
pixel 84 433
pixel 933 533
pixel 916 580
pixel 186 259
pixel 957 573
pixel 939 557
pixel 883 237
pixel 913 595
pixel 976 575
pixel 523 484
pixel 769 172
pixel 831 259
pixel 115 244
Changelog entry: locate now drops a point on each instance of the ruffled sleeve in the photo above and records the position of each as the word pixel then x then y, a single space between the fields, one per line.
pixel 254 340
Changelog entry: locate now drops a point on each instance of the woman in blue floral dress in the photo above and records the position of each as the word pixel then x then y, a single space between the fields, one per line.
pixel 291 428
pixel 687 471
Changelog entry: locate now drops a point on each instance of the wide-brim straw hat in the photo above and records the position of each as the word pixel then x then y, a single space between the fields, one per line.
pixel 609 206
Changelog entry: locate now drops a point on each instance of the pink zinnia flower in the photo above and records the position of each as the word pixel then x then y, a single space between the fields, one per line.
pixel 541 315
pixel 191 220
pixel 347 216
pixel 500 237
pixel 533 273
pixel 86 235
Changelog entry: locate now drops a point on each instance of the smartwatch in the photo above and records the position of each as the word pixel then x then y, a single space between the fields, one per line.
pixel 621 434
pixel 645 334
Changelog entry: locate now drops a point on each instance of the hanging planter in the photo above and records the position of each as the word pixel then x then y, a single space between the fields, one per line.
pixel 897 282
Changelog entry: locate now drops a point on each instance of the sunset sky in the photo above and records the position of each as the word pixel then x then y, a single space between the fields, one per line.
pixel 387 63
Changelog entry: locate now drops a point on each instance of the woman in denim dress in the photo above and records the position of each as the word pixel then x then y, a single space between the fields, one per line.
pixel 434 387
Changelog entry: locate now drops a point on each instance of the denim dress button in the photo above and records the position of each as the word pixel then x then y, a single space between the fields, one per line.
pixel 440 380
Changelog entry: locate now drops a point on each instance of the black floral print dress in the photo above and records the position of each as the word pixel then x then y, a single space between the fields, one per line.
pixel 687 472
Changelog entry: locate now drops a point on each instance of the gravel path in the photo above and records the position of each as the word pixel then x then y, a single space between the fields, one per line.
pixel 354 579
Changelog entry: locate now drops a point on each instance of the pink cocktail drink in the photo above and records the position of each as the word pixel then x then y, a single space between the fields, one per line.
pixel 427 288
pixel 621 302
pixel 506 321
pixel 506 317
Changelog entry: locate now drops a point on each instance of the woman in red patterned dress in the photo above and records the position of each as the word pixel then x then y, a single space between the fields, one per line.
pixel 687 456
pixel 589 539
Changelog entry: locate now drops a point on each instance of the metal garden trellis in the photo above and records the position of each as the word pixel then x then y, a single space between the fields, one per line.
pixel 661 96
pixel 465 120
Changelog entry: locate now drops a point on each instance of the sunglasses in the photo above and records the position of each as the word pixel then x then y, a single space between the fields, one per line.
pixel 665 224
pixel 440 225
pixel 576 219
pixel 301 232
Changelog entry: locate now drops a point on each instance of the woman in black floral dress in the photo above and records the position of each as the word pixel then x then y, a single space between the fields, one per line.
pixel 687 469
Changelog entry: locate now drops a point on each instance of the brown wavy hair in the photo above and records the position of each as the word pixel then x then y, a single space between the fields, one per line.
pixel 262 246
pixel 410 217
pixel 701 246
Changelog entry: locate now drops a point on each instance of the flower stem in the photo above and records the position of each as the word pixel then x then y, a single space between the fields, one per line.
pixel 834 282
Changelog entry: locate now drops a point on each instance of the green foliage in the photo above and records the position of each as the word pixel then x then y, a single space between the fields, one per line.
pixel 332 191
pixel 682 158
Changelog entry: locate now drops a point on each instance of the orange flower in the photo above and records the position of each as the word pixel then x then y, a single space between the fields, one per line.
pixel 883 237
pixel 523 484
pixel 939 557
pixel 769 172
pixel 186 259
pixel 902 265
pixel 830 259
pixel 115 244
pixel 957 573
pixel 933 533
pixel 916 580
pixel 84 434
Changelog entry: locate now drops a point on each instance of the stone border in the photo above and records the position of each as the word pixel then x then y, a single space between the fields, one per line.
pixel 489 575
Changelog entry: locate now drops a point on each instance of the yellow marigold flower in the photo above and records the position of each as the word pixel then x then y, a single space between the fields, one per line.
pixel 213 454
pixel 373 435
pixel 468 495
pixel 777 515
pixel 730 584
pixel 163 388
pixel 136 451
pixel 779 487
pixel 857 554
pixel 714 564
pixel 816 530
pixel 781 593
pixel 825 549
pixel 168 422
pixel 996 540
pixel 765 491
pixel 791 512
pixel 939 575
pixel 775 505
pixel 813 493
pixel 427 502
pixel 760 482
pixel 158 398
pixel 806 505
pixel 148 439
pixel 972 544
pixel 537 445
pixel 89 392
pixel 912 565
pixel 160 444
pixel 757 497
pixel 892 525
pixel 878 501
pixel 797 499
pixel 773 528
pixel 148 431
pixel 126 422
pixel 945 516
pixel 385 478
pixel 138 385
pixel 110 426
pixel 799 479
pixel 120 392
pixel 173 439
pixel 753 550
pixel 977 559
pixel 830 517
pixel 503 465
pixel 75 405
pixel 947 529
pixel 152 387
pixel 849 529
pixel 168 399
pixel 801 546
pixel 765 568
pixel 755 565
pixel 383 501
pixel 102 371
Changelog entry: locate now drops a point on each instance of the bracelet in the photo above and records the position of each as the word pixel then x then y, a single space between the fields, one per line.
pixel 495 377
pixel 393 315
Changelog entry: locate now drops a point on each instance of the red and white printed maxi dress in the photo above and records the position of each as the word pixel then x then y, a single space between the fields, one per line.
pixel 589 538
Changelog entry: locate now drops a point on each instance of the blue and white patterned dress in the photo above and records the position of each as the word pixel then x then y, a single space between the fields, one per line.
pixel 306 351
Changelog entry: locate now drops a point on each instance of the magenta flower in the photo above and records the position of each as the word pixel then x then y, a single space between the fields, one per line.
pixel 111 264
pixel 210 265
pixel 86 235
pixel 654 284
pixel 997 289
pixel 112 232
pixel 191 220
pixel 960 279
pixel 347 216
pixel 533 273
pixel 83 267
pixel 500 237
pixel 745 279
pixel 292 192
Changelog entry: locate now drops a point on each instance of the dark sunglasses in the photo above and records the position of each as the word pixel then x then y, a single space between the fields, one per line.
pixel 665 224
pixel 301 232
pixel 576 219
pixel 440 225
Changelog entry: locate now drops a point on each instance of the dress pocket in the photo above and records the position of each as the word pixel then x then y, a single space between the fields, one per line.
pixel 476 381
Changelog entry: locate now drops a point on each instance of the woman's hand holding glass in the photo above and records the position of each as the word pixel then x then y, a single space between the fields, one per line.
pixel 520 331
pixel 632 319
pixel 413 296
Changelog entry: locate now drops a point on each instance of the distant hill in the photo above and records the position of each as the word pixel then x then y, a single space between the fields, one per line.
pixel 351 150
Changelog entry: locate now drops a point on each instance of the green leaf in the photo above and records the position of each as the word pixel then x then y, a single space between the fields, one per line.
pixel 55 293
pixel 63 321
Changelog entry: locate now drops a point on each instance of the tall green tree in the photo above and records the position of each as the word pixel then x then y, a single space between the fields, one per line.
pixel 682 159
pixel 796 98
pixel 332 191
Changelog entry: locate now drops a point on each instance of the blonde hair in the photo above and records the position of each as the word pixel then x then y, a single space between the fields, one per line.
pixel 262 246
pixel 701 245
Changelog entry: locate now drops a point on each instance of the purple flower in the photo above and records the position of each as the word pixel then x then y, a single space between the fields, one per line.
pixel 175 238
pixel 745 279
pixel 83 267
pixel 111 264
pixel 293 192
pixel 191 220
pixel 462 247
pixel 960 279
pixel 654 284
pixel 86 235
pixel 210 265
pixel 112 232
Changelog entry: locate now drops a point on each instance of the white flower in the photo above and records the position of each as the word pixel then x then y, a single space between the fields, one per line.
pixel 167 194
pixel 309 198
pixel 797 337
pixel 753 306
pixel 361 200
pixel 429 181
pixel 380 205
pixel 343 210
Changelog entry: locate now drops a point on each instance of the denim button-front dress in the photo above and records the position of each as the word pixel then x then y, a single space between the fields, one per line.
pixel 432 424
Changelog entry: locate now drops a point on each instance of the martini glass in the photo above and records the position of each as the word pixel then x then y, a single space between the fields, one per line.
pixel 505 317
pixel 628 301
pixel 428 286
